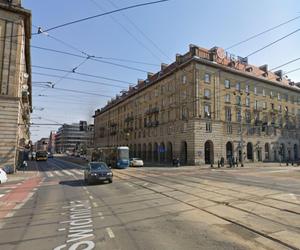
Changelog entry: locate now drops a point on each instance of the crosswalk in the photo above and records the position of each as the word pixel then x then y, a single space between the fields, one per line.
pixel 63 173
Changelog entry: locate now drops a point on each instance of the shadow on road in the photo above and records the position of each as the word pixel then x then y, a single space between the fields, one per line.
pixel 73 183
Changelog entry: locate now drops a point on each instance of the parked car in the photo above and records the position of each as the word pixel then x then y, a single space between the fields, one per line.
pixel 97 172
pixel 8 169
pixel 3 176
pixel 136 162
pixel 50 155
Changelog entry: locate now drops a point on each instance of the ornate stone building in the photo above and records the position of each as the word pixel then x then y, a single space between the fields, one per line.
pixel 206 105
pixel 15 81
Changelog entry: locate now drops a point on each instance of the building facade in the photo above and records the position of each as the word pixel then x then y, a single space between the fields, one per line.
pixel 206 105
pixel 51 145
pixel 15 82
pixel 74 137
pixel 42 144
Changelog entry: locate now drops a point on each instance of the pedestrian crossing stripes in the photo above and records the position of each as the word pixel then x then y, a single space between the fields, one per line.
pixel 64 173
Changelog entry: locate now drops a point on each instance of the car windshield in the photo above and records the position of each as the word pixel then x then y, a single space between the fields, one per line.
pixel 98 166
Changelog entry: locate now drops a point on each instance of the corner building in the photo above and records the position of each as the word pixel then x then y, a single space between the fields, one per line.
pixel 206 105
pixel 15 82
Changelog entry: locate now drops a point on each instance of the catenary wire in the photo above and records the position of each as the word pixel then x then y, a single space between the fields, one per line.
pixel 104 14
pixel 263 32
pixel 270 44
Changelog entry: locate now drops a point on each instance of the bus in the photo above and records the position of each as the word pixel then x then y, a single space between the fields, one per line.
pixel 115 157
pixel 41 156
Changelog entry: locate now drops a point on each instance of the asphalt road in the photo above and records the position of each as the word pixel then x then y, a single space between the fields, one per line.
pixel 153 208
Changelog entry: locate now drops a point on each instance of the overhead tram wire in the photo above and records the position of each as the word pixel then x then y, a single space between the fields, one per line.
pixel 82 74
pixel 72 90
pixel 77 79
pixel 294 60
pixel 263 32
pixel 130 33
pixel 92 58
pixel 270 44
pixel 104 14
pixel 141 31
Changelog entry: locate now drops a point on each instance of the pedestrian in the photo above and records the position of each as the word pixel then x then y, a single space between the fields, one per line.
pixel 222 161
pixel 236 161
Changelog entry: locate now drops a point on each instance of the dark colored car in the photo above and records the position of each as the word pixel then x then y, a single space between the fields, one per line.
pixel 8 169
pixel 97 172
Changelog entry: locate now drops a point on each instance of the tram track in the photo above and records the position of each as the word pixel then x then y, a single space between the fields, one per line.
pixel 146 178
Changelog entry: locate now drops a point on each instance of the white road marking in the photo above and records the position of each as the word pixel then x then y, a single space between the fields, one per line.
pixel 84 188
pixel 49 174
pixel 110 232
pixel 58 173
pixel 24 201
pixel 63 213
pixel 91 197
pixel 1 195
pixel 10 214
pixel 19 184
pixel 7 191
pixel 34 189
pixel 76 171
pixel 61 229
pixel 95 204
pixel 100 214
pixel 145 184
pixel 67 172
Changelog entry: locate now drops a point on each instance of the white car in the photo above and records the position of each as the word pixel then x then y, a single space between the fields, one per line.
pixel 3 176
pixel 136 162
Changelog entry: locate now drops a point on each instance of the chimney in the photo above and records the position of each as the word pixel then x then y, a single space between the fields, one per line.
pixel 178 58
pixel 163 66
pixel 193 49
pixel 149 75
pixel 279 73
pixel 264 67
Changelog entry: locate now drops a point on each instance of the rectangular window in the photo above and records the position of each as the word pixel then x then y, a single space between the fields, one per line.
pixel 227 84
pixel 238 86
pixel 238 115
pixel 207 94
pixel 227 98
pixel 264 105
pixel 256 105
pixel 238 100
pixel 247 101
pixel 255 90
pixel 207 113
pixel 247 88
pixel 248 116
pixel 279 108
pixel 207 78
pixel 263 92
pixel 184 80
pixel 271 94
pixel 229 129
pixel 279 97
pixel 228 114
pixel 208 127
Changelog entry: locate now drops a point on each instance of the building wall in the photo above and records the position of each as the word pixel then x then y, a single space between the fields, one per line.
pixel 15 83
pixel 196 103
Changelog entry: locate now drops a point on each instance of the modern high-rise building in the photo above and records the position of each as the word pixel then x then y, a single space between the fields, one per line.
pixel 205 106
pixel 75 137
pixel 15 82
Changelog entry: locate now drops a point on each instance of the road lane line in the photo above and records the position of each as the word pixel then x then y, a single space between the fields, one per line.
pixel 91 197
pixel 100 214
pixel 67 172
pixel 76 171
pixel 61 229
pixel 1 195
pixel 10 214
pixel 49 174
pixel 110 232
pixel 95 204
pixel 58 173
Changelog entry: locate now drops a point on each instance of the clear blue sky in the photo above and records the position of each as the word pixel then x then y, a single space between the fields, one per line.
pixel 171 27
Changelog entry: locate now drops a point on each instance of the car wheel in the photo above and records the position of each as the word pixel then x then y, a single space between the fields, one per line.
pixel 110 180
